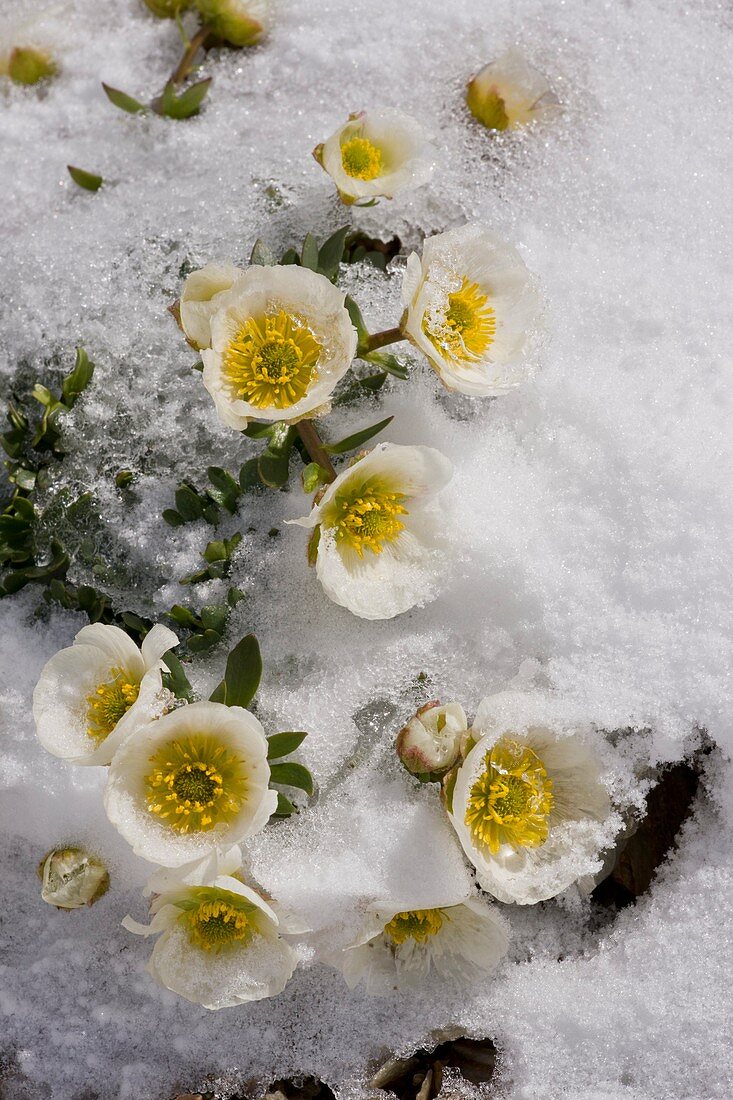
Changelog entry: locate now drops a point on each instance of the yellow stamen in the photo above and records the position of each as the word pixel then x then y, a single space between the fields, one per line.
pixel 195 784
pixel 414 924
pixel 110 702
pixel 511 800
pixel 361 159
pixel 468 326
pixel 366 517
pixel 217 919
pixel 271 360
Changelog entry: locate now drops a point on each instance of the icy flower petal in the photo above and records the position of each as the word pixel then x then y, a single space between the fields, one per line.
pixel 380 551
pixel 470 306
pixel 72 878
pixel 219 941
pixel 190 782
pixel 431 740
pixel 281 338
pixel 92 695
pixel 376 154
pixel 532 830
pixel 200 298
pixel 463 941
pixel 509 93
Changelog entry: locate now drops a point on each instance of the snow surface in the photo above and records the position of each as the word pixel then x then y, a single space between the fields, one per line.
pixel 592 511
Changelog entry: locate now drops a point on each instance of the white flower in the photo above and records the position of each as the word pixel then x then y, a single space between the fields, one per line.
pixel 219 942
pixel 379 551
pixel 91 696
pixel 431 740
pixel 462 940
pixel 195 779
pixel 201 294
pixel 471 304
pixel 239 22
pixel 281 338
pixel 508 93
pixel 376 154
pixel 528 807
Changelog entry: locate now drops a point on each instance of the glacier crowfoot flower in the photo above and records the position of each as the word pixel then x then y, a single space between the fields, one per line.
pixel 462 940
pixel 470 306
pixel 431 740
pixel 528 807
pixel 281 338
pixel 201 293
pixel 509 93
pixel 92 695
pixel 379 551
pixel 219 941
pixel 195 779
pixel 72 878
pixel 376 154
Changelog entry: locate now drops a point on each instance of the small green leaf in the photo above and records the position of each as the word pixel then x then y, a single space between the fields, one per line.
pixel 257 430
pixel 292 775
pixel 313 477
pixel 219 694
pixel 284 806
pixel 282 744
pixel 123 101
pixel 331 253
pixel 185 105
pixel 243 672
pixel 290 257
pixel 199 643
pixel 223 480
pixel 387 363
pixel 189 502
pixel 249 477
pixel 173 518
pixel 80 377
pixel 351 442
pixel 273 470
pixel 356 319
pixel 175 679
pixel 182 615
pixel 262 254
pixel 309 253
pixel 313 541
pixel 88 180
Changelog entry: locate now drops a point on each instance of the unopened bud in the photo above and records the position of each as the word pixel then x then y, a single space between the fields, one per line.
pixel 239 22
pixel 508 93
pixel 27 65
pixel 431 740
pixel 72 878
pixel 167 9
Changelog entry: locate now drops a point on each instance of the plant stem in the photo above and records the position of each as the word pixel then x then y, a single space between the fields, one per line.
pixel 381 339
pixel 314 446
pixel 185 65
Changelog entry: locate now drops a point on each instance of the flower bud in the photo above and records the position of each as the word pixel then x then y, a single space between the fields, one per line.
pixel 167 9
pixel 431 740
pixel 27 65
pixel 72 878
pixel 508 93
pixel 238 22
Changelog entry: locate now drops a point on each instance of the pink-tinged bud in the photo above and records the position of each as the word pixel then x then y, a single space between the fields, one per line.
pixel 431 740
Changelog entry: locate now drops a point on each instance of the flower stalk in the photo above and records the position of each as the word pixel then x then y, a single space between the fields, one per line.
pixel 382 339
pixel 198 42
pixel 314 446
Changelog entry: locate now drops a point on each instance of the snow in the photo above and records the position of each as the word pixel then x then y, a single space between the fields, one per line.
pixel 590 513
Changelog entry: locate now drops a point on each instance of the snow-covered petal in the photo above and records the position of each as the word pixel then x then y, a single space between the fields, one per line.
pixel 431 740
pixel 194 780
pixel 509 93
pixel 394 559
pixel 92 695
pixel 286 316
pixel 543 827
pixel 377 154
pixel 471 306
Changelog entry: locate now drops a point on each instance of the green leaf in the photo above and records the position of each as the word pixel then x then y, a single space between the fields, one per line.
pixel 273 464
pixel 249 477
pixel 199 643
pixel 309 253
pixel 387 362
pixel 351 442
pixel 284 806
pixel 175 679
pixel 356 319
pixel 313 477
pixel 262 254
pixel 243 672
pixel 189 502
pixel 173 518
pixel 282 744
pixel 88 180
pixel 80 377
pixel 257 430
pixel 292 775
pixel 185 105
pixel 331 252
pixel 184 616
pixel 123 101
pixel 219 694
pixel 223 480
pixel 290 257
pixel 313 541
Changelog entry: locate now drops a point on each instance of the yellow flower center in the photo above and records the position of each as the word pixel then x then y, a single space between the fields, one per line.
pixel 195 784
pixel 361 159
pixel 511 800
pixel 271 360
pixel 488 107
pixel 109 703
pixel 468 326
pixel 367 517
pixel 414 924
pixel 216 919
